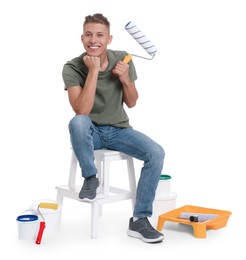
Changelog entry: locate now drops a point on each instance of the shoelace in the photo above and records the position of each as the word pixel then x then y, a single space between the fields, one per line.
pixel 87 183
pixel 145 220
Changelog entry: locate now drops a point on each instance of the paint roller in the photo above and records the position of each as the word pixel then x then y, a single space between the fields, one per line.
pixel 137 34
pixel 45 205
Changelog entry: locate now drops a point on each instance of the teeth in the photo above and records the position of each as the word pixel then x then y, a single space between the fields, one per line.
pixel 94 47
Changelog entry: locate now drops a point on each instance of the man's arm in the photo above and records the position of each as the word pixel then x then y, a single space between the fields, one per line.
pixel 82 99
pixel 130 93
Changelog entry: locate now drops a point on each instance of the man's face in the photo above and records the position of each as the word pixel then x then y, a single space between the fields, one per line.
pixel 95 38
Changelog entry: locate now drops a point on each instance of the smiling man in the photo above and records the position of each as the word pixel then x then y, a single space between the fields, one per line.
pixel 99 84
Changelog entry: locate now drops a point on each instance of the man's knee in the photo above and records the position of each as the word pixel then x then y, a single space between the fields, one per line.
pixel 79 122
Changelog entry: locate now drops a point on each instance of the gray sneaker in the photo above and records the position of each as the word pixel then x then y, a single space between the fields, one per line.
pixel 89 188
pixel 143 230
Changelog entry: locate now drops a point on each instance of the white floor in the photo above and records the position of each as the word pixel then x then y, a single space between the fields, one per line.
pixel 73 238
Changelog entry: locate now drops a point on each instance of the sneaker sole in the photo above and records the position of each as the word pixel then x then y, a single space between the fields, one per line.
pixel 136 234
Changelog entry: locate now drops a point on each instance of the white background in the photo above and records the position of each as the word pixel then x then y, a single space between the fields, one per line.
pixel 192 101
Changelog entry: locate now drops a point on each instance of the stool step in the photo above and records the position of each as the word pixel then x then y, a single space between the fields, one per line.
pixel 115 194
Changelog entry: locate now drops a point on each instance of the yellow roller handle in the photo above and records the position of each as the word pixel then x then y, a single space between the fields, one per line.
pixel 127 58
pixel 48 205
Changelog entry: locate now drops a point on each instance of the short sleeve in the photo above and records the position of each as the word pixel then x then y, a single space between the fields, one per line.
pixel 70 77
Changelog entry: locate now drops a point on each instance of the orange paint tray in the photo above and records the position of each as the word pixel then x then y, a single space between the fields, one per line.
pixel 199 228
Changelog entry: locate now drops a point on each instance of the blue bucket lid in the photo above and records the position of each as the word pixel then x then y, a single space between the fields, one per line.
pixel 27 218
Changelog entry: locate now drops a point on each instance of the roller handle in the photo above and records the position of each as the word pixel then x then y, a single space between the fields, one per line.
pixel 40 232
pixel 127 58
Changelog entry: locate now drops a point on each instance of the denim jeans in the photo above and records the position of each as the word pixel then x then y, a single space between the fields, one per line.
pixel 86 137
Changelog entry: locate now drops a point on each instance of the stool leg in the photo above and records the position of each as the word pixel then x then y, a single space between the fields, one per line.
pixel 95 209
pixel 72 172
pixel 99 174
pixel 100 178
pixel 59 198
pixel 106 176
pixel 132 180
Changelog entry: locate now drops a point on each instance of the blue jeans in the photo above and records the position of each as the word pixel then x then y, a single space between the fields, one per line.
pixel 86 137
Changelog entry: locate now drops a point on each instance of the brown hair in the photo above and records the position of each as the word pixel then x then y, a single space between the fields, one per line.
pixel 97 18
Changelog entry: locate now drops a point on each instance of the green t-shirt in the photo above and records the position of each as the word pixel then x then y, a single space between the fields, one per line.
pixel 108 106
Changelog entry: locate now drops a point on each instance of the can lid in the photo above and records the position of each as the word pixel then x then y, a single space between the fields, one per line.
pixel 165 177
pixel 27 218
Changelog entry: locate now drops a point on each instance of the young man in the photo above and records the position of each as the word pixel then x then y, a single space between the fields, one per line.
pixel 99 83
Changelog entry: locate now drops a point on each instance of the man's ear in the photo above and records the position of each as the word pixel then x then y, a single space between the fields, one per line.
pixel 110 39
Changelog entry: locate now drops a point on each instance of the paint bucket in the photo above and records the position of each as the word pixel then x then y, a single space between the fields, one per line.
pixel 162 206
pixel 27 226
pixel 164 187
pixel 51 217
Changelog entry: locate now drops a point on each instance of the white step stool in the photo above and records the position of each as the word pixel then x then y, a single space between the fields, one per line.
pixel 107 193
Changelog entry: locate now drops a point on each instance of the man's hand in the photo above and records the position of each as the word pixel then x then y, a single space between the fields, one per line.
pixel 92 62
pixel 121 70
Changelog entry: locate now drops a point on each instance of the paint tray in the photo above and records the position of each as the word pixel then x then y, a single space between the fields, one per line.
pixel 199 228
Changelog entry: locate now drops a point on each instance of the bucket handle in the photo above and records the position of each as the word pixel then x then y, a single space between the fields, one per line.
pixel 30 210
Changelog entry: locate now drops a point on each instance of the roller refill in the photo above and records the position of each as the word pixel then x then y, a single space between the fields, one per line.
pixel 197 217
pixel 141 38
